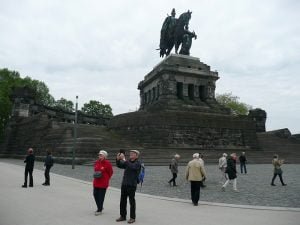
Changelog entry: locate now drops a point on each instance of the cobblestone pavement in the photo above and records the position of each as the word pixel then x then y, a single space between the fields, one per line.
pixel 254 188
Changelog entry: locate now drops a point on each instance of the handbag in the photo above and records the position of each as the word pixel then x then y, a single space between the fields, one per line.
pixel 97 174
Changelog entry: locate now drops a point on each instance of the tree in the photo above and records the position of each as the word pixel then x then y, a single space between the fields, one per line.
pixel 10 80
pixel 64 104
pixel 230 101
pixel 41 91
pixel 96 108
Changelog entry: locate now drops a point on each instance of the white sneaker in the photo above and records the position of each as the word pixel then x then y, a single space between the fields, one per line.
pixel 236 190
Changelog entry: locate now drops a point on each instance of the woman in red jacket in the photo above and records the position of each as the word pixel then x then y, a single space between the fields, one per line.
pixel 102 174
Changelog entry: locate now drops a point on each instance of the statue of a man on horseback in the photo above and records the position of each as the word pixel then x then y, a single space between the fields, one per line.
pixel 175 32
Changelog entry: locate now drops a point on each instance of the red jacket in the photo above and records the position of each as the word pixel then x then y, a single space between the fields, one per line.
pixel 106 168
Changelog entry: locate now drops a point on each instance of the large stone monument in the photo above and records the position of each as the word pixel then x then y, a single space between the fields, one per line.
pixel 178 108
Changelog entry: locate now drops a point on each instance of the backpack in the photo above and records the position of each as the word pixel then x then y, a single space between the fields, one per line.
pixel 141 175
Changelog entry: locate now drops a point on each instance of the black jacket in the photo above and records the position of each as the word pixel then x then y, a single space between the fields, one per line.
pixel 242 159
pixel 29 162
pixel 131 173
pixel 49 161
pixel 231 168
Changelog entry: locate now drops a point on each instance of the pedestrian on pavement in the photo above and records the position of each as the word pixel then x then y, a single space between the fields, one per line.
pixel 202 164
pixel 231 172
pixel 29 168
pixel 48 164
pixel 277 170
pixel 132 168
pixel 222 167
pixel 195 174
pixel 174 169
pixel 102 173
pixel 243 161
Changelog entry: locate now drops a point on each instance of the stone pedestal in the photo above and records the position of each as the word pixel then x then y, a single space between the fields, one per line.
pixel 180 83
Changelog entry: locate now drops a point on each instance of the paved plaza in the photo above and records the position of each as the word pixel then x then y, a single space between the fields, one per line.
pixel 70 201
pixel 254 187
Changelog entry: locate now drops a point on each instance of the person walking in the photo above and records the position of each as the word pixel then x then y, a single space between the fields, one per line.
pixel 195 173
pixel 277 170
pixel 29 168
pixel 231 172
pixel 132 169
pixel 174 169
pixel 103 171
pixel 243 161
pixel 222 167
pixel 48 164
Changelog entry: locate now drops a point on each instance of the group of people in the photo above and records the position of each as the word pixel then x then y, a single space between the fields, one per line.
pixel 103 172
pixel 29 166
pixel 194 173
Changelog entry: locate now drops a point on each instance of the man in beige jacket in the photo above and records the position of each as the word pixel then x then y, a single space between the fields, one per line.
pixel 195 174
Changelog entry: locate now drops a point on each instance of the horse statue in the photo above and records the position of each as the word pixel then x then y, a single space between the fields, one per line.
pixel 175 32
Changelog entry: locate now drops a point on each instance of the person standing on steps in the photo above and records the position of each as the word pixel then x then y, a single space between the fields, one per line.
pixel 103 171
pixel 132 168
pixel 174 169
pixel 243 161
pixel 29 168
pixel 277 170
pixel 48 164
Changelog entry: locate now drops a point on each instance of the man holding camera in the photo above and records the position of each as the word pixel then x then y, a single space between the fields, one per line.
pixel 132 169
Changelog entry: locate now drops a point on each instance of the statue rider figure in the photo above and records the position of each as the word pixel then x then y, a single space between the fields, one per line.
pixel 187 41
pixel 167 32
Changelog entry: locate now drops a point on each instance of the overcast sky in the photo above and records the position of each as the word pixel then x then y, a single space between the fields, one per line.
pixel 101 49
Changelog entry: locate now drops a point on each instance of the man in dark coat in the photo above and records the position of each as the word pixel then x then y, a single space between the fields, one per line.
pixel 243 161
pixel 48 164
pixel 29 168
pixel 130 179
pixel 231 172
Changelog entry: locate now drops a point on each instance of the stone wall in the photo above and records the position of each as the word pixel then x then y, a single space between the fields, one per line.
pixel 186 129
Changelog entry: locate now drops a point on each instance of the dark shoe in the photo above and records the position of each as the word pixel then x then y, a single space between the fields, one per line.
pixel 175 185
pixel 24 186
pixel 44 184
pixel 273 185
pixel 284 185
pixel 203 186
pixel 131 221
pixel 195 204
pixel 30 185
pixel 120 219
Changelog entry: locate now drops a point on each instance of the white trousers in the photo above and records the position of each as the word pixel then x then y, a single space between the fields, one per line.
pixel 234 184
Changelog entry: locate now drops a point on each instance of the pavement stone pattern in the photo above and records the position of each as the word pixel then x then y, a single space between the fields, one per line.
pixel 254 188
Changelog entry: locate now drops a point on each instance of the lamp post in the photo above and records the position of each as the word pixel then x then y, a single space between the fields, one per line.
pixel 75 134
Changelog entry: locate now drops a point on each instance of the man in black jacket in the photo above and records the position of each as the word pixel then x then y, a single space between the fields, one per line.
pixel 48 164
pixel 29 168
pixel 130 179
pixel 243 161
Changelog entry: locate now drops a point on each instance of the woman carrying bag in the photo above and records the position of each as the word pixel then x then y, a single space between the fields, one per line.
pixel 102 174
pixel 277 170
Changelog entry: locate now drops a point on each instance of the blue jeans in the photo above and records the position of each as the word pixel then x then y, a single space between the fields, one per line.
pixel 243 166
